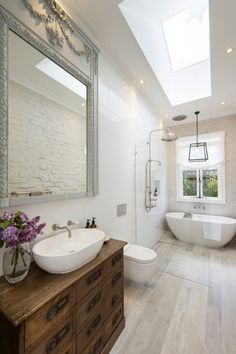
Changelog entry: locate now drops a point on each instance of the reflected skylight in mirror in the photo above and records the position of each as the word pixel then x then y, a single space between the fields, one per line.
pixel 187 36
pixel 53 70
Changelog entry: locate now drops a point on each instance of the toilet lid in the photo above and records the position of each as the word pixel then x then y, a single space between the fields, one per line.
pixel 139 254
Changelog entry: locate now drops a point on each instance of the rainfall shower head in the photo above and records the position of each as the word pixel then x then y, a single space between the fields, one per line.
pixel 169 136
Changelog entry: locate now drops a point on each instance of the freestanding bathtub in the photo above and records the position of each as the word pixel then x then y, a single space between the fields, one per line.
pixel 203 230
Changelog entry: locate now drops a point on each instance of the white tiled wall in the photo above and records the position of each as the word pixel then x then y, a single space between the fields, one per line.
pixel 227 124
pixel 124 119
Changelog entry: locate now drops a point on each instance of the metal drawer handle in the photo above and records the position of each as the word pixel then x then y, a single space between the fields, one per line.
pixel 97 346
pixel 94 277
pixel 116 259
pixel 53 311
pixel 94 325
pixel 116 278
pixel 94 301
pixel 53 343
pixel 115 299
pixel 116 318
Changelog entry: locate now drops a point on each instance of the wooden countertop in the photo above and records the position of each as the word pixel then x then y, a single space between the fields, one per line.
pixel 19 301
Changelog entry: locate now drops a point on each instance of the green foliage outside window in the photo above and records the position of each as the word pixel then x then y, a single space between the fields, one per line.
pixel 208 179
pixel 210 183
pixel 189 183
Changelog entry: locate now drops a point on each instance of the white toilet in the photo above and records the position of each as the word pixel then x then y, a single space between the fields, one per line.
pixel 139 263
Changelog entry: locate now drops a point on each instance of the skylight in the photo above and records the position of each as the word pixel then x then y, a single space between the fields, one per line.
pixel 174 37
pixel 54 71
pixel 187 36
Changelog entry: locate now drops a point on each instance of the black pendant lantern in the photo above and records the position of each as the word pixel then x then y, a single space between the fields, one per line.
pixel 197 151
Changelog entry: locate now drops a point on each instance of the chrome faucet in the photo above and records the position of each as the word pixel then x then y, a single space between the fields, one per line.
pixel 188 215
pixel 56 227
pixel 199 206
pixel 72 223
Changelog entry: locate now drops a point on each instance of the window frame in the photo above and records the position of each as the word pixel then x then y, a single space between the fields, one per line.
pixel 199 197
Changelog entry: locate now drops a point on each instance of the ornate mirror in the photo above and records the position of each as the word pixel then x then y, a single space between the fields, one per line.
pixel 48 122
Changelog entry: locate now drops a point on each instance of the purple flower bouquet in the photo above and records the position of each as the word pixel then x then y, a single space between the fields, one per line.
pixel 16 232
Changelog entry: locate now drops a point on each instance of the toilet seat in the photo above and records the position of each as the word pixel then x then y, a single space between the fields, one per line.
pixel 139 254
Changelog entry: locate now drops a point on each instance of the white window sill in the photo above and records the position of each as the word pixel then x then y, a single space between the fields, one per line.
pixel 201 200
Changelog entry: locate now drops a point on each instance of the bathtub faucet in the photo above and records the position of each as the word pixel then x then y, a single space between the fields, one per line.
pixel 199 206
pixel 188 215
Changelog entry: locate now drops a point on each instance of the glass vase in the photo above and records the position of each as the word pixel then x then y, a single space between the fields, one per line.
pixel 16 263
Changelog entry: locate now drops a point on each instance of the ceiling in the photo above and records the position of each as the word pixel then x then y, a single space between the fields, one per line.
pixel 111 33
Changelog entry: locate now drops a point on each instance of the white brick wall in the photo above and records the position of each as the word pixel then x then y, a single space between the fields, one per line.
pixel 46 144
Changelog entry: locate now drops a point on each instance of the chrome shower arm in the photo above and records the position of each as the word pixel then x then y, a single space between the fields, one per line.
pixel 157 130
pixel 150 137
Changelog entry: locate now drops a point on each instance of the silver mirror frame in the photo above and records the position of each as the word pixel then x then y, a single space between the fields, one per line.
pixel 9 23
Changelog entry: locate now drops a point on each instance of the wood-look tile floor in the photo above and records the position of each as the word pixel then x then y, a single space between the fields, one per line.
pixel 189 307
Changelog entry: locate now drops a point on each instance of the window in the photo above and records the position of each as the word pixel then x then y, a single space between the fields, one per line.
pixel 187 36
pixel 210 183
pixel 190 183
pixel 178 45
pixel 201 180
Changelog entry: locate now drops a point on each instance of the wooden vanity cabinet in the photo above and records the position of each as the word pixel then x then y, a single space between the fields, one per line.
pixel 76 313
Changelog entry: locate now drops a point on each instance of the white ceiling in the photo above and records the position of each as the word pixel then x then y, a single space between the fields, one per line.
pixel 112 34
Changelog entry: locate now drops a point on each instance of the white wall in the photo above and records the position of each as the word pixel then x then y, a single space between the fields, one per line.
pixel 124 119
pixel 227 124
pixel 47 144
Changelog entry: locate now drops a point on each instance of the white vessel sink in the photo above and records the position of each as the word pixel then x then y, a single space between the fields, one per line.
pixel 60 254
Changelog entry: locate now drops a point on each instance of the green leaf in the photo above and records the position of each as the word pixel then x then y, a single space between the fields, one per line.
pixel 4 224
pixel 1 243
pixel 17 219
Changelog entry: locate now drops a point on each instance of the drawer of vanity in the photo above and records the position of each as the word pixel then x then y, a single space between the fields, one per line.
pixel 115 279
pixel 113 321
pixel 89 305
pixel 89 282
pixel 68 349
pixel 90 329
pixel 48 316
pixel 114 298
pixel 113 262
pixel 95 346
pixel 56 340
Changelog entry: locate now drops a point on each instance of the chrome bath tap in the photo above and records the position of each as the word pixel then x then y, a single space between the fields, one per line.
pixel 188 215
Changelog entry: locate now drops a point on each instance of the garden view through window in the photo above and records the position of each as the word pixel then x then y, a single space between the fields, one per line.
pixel 200 183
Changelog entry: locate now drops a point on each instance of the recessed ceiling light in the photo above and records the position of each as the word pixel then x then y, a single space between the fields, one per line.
pixel 125 88
pixel 229 50
pixel 222 103
pixel 83 104
pixel 141 82
pixel 167 116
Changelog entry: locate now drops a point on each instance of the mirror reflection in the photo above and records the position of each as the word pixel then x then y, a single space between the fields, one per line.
pixel 47 125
